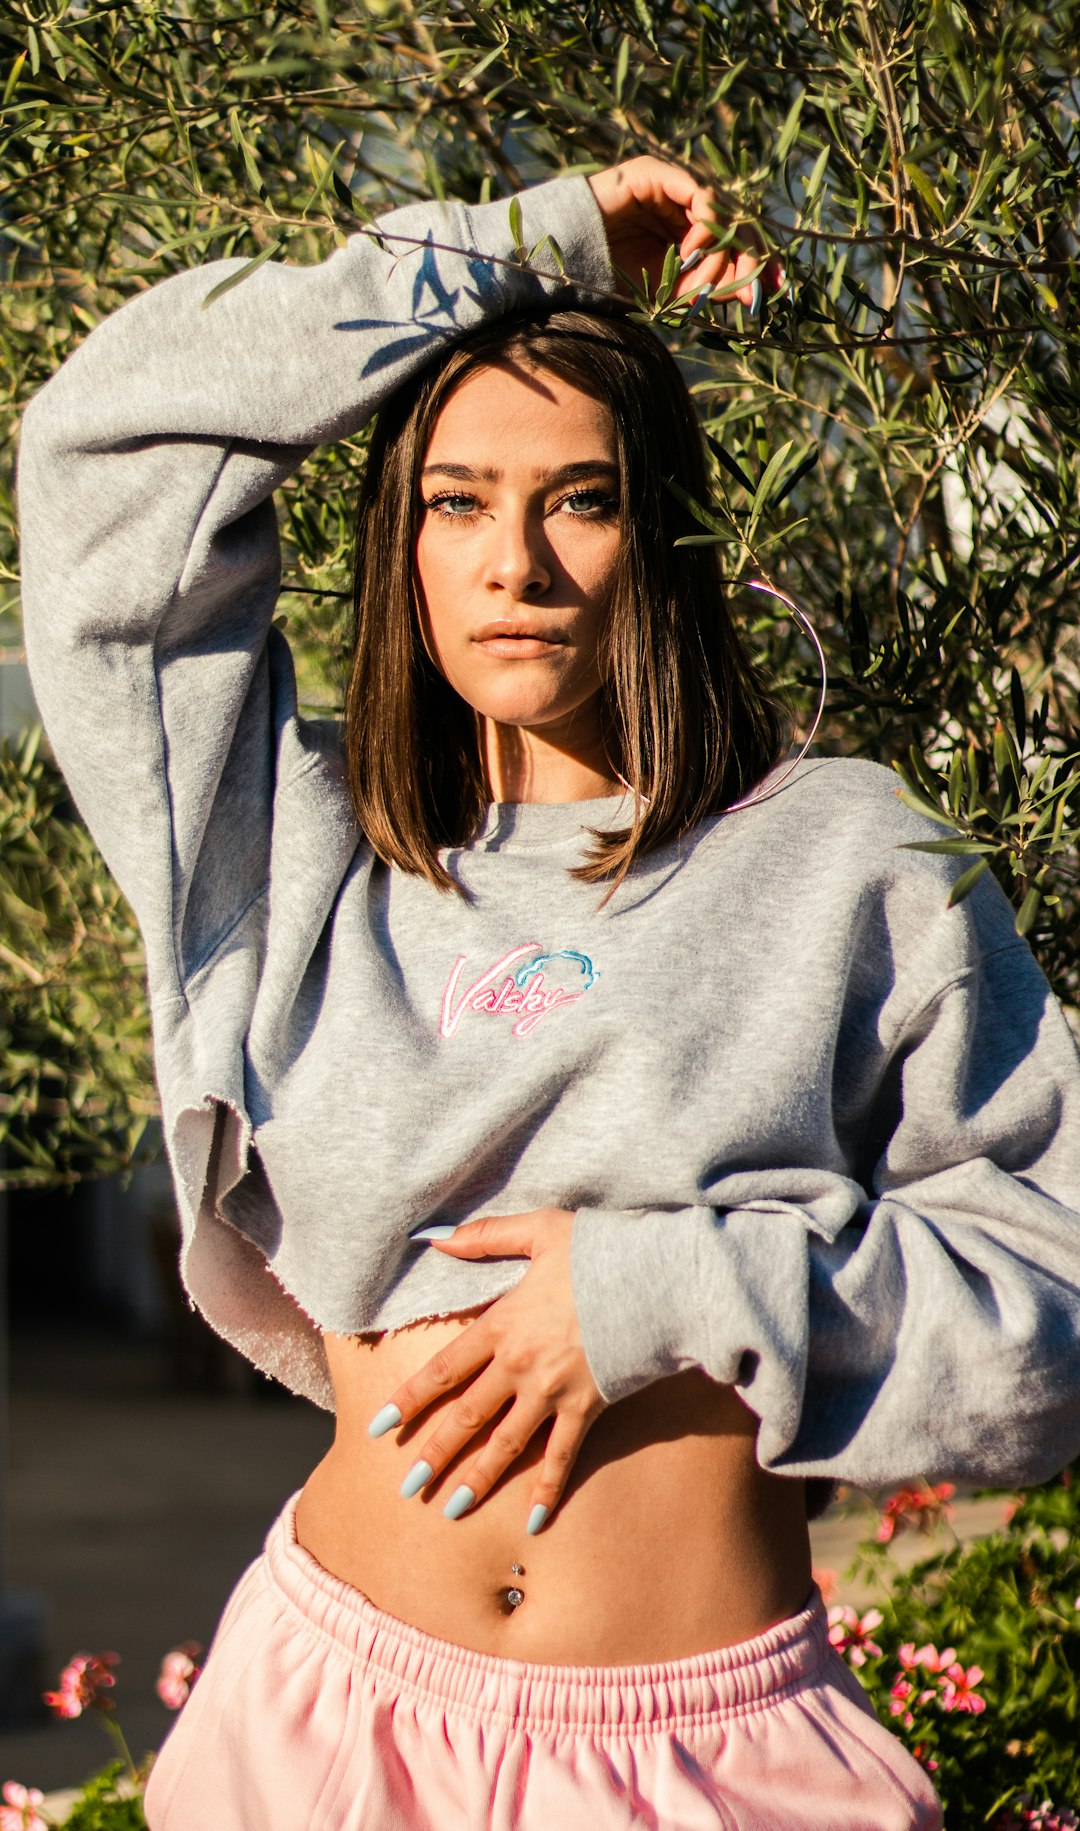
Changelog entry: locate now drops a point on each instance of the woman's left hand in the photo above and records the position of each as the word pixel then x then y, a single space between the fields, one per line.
pixel 525 1348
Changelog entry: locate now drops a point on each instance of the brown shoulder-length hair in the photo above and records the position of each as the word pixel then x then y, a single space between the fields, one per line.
pixel 691 725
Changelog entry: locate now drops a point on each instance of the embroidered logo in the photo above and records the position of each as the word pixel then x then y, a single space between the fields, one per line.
pixel 516 986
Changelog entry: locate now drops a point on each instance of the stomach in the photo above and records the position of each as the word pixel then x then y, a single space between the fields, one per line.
pixel 669 1540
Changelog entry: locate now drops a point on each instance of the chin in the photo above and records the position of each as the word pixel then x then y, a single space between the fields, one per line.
pixel 527 718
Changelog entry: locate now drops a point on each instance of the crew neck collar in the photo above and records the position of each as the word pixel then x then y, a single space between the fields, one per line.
pixel 551 823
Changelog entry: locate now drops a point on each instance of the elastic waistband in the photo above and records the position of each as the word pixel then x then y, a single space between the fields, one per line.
pixel 730 1681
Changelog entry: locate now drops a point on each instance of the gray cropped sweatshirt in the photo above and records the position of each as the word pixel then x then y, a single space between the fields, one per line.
pixel 821 1132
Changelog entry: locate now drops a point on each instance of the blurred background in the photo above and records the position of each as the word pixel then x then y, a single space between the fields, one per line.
pixel 144 1463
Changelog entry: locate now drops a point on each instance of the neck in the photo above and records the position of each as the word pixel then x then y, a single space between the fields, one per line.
pixel 535 766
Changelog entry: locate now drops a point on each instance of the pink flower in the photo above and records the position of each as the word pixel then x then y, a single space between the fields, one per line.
pixel 851 1636
pixel 928 1657
pixel 899 1698
pixel 922 1508
pixel 83 1684
pixel 959 1690
pixel 20 1813
pixel 1045 1817
pixel 179 1670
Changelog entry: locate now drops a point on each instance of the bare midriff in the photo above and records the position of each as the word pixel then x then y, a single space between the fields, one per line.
pixel 669 1541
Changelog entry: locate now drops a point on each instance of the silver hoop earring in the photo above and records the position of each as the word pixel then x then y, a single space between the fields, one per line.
pixel 804 623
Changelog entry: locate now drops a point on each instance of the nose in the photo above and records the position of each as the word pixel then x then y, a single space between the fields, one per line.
pixel 519 558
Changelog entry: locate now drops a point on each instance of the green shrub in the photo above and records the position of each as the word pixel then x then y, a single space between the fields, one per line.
pixel 1008 1607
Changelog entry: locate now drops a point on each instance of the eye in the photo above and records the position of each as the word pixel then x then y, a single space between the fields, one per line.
pixel 593 504
pixel 451 506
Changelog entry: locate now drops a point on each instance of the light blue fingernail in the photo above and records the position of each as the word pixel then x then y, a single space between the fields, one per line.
pixel 755 299
pixel 536 1519
pixel 439 1230
pixel 383 1421
pixel 460 1501
pixel 418 1477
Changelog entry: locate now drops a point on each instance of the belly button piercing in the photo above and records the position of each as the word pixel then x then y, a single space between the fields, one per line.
pixel 515 1597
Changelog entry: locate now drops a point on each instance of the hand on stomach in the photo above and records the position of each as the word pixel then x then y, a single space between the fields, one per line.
pixel 668 1538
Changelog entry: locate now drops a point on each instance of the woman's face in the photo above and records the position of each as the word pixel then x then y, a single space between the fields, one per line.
pixel 517 549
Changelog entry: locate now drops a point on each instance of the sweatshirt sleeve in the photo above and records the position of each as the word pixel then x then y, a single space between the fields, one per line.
pixel 150 552
pixel 928 1324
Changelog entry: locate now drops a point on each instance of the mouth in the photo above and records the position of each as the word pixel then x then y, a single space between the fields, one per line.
pixel 517 641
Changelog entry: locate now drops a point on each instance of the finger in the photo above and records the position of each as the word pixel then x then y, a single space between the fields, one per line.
pixel 497 1236
pixel 731 272
pixel 509 1440
pixel 459 1360
pixel 568 1433
pixel 652 191
pixel 481 1401
pixel 745 258
pixel 661 185
pixel 705 216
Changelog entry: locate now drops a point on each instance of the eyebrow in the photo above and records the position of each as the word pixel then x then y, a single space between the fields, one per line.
pixel 565 473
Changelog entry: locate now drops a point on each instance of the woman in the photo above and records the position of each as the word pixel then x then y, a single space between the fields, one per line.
pixel 613 1164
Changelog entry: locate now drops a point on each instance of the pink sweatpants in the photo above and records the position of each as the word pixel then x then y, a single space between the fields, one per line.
pixel 317 1712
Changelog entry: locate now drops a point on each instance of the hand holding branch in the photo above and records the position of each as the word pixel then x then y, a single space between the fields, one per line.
pixel 647 204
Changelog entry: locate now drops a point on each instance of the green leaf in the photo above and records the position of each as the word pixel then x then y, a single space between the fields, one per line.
pixel 718 93
pixel 925 189
pixel 814 182
pixel 324 178
pixel 622 65
pixel 517 225
pixel 715 157
pixel 967 881
pixel 645 20
pixel 1019 707
pixel 922 769
pixel 802 469
pixel 768 478
pixel 669 277
pixel 920 805
pixel 729 464
pixel 243 273
pixel 959 848
pixel 1006 758
pixel 1028 910
pixel 13 78
pixel 790 128
pixel 548 245
pixel 251 164
pixel 485 63
pixel 695 508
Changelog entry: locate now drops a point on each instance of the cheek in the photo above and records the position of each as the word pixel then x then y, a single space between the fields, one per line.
pixel 435 597
pixel 589 563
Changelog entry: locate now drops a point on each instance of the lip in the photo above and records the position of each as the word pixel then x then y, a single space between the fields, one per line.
pixel 518 641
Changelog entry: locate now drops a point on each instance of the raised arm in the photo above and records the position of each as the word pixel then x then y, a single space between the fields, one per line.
pixel 150 552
